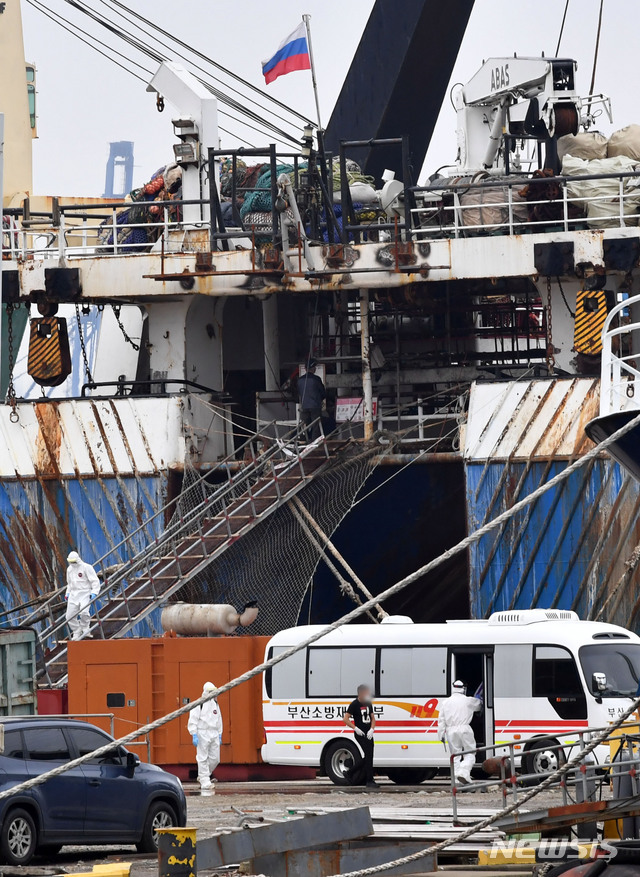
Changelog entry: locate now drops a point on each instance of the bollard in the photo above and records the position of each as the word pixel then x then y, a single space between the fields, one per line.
pixel 177 852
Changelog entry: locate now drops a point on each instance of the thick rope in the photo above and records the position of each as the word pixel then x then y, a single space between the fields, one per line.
pixel 574 762
pixel 350 616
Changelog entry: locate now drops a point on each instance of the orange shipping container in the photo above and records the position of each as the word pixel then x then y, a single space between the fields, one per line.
pixel 138 680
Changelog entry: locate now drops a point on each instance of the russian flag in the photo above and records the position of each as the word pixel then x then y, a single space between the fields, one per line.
pixel 292 54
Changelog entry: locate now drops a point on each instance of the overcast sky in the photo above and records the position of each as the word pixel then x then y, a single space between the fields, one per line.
pixel 85 101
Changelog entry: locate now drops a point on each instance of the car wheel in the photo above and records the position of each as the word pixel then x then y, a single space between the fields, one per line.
pixel 18 838
pixel 339 757
pixel 160 815
pixel 411 776
pixel 550 757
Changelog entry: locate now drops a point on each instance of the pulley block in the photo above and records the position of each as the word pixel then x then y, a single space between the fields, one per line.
pixel 49 361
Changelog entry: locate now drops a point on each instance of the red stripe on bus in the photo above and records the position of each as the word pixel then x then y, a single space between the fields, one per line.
pixel 543 723
pixel 415 723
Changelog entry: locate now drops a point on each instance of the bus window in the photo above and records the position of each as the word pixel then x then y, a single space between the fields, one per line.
pixel 335 672
pixel 413 672
pixel 618 663
pixel 555 676
pixel 287 678
pixel 512 670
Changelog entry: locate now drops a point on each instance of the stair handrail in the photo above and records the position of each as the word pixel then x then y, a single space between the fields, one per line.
pixel 135 563
pixel 35 615
pixel 613 365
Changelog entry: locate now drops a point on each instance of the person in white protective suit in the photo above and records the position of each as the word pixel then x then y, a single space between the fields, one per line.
pixel 83 585
pixel 205 727
pixel 454 729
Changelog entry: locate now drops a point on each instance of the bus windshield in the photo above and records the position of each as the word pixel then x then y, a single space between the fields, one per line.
pixel 619 664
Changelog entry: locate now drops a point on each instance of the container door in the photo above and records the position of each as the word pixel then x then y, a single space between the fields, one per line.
pixel 113 688
pixel 192 677
pixel 17 695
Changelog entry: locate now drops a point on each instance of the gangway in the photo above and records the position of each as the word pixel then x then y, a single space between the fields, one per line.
pixel 203 525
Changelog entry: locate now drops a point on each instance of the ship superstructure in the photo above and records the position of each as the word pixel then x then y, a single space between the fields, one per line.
pixel 457 324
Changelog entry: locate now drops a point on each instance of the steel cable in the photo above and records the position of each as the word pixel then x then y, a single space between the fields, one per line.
pixel 215 64
pixel 198 54
pixel 72 29
pixel 159 57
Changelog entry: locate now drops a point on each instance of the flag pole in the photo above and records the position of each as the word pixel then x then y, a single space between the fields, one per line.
pixel 332 224
pixel 307 18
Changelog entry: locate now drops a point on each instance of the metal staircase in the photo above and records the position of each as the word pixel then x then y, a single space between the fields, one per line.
pixel 206 521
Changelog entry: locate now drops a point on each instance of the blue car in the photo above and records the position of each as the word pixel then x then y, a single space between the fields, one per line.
pixel 114 799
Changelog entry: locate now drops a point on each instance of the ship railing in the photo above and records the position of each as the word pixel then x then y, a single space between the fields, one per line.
pixel 511 767
pixel 142 226
pixel 257 456
pixel 416 420
pixel 620 369
pixel 88 230
pixel 522 205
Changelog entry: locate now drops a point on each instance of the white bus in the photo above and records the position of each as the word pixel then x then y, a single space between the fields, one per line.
pixel 543 671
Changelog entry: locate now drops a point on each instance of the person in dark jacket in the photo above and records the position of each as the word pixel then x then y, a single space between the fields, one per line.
pixel 311 394
pixel 361 718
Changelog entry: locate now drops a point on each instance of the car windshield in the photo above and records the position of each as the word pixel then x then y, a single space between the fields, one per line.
pixel 618 662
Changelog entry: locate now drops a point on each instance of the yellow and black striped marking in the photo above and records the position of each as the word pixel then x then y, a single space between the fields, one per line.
pixel 591 312
pixel 49 362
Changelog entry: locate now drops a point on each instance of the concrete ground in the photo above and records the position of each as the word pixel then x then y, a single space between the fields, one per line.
pixel 209 812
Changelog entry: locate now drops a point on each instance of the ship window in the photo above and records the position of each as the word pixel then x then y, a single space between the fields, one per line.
pixel 31 95
pixel 115 700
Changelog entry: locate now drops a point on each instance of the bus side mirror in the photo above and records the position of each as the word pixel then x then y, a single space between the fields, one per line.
pixel 598 683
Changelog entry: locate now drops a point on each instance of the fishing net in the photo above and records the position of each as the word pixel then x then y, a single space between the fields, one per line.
pixel 274 563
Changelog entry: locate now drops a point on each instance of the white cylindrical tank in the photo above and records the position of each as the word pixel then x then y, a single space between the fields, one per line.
pixel 201 619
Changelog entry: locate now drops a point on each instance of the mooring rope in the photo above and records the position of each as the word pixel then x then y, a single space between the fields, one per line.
pixel 574 762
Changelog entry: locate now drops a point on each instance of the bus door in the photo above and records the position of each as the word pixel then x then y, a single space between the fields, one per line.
pixel 473 665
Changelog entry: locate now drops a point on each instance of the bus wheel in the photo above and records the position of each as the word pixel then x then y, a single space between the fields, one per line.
pixel 549 757
pixel 339 757
pixel 411 776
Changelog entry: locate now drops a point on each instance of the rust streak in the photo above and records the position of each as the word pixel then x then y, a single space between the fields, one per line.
pixel 140 511
pixel 48 439
pixel 145 442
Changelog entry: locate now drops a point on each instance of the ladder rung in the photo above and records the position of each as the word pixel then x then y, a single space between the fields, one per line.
pixel 126 600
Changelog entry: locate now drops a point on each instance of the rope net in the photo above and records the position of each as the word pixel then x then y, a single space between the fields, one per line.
pixel 274 563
